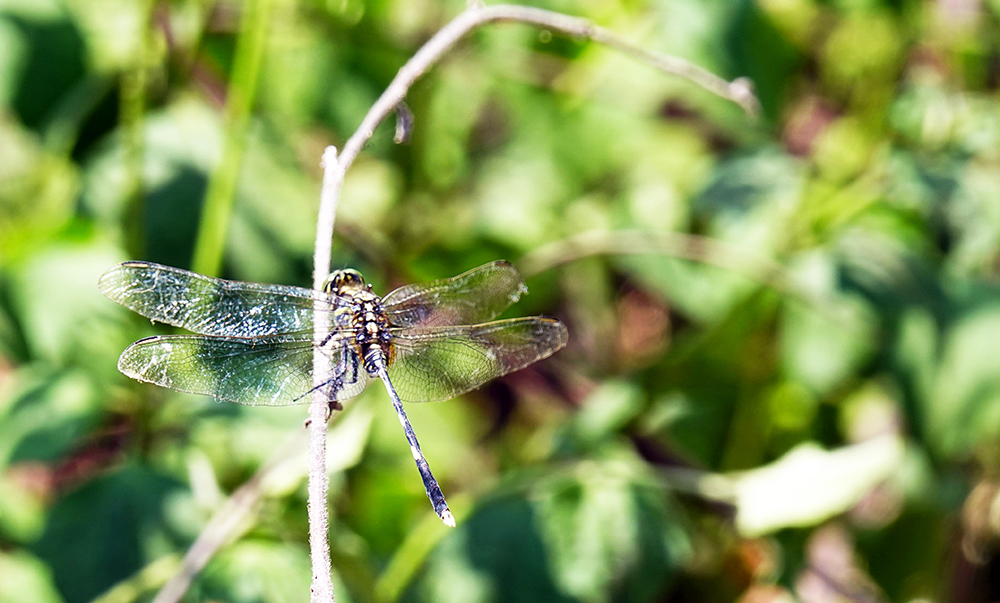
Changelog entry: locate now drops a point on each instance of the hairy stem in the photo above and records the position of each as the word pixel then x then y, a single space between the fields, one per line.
pixel 738 91
pixel 335 167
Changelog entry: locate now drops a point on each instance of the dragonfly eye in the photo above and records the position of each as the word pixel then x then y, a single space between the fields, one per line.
pixel 342 281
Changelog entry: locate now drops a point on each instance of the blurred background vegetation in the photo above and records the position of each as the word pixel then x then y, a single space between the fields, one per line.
pixel 782 381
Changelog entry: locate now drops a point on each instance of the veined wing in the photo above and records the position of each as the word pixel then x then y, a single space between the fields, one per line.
pixel 437 363
pixel 268 371
pixel 210 306
pixel 470 298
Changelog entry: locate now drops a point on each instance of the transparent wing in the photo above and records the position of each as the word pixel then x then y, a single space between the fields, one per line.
pixel 437 363
pixel 268 371
pixel 210 306
pixel 473 297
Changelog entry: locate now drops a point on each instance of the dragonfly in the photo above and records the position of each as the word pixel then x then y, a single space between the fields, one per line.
pixel 254 343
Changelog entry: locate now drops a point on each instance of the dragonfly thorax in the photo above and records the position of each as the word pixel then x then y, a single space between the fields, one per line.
pixel 362 318
pixel 252 343
pixel 369 327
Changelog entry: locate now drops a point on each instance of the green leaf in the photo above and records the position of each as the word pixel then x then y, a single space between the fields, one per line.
pixel 106 530
pixel 600 531
pixel 62 314
pixel 963 407
pixel 809 485
pixel 606 411
pixel 37 187
pixel 496 554
pixel 609 533
pixel 824 341
pixel 257 571
pixel 22 511
pixel 46 415
pixel 26 579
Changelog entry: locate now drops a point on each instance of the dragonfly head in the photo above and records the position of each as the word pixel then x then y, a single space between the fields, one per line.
pixel 344 281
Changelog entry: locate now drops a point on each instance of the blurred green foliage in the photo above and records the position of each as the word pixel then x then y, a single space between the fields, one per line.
pixel 782 377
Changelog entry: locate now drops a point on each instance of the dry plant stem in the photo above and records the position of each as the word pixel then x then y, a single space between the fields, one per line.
pixel 224 525
pixel 738 91
pixel 136 586
pixel 319 544
pixel 695 248
pixel 336 167
pixel 644 242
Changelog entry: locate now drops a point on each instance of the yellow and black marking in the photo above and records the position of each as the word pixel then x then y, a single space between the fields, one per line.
pixel 371 341
pixel 365 318
pixel 253 343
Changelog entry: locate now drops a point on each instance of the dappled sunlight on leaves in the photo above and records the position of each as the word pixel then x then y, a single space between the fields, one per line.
pixel 781 379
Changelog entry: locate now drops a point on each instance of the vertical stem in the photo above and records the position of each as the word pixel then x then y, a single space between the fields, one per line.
pixel 239 103
pixel 329 197
pixel 319 482
pixel 333 175
pixel 319 545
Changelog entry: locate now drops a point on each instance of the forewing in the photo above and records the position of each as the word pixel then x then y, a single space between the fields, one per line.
pixel 210 306
pixel 268 371
pixel 473 297
pixel 437 363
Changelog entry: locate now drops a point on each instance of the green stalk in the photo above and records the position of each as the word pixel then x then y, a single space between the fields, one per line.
pixel 239 102
pixel 132 107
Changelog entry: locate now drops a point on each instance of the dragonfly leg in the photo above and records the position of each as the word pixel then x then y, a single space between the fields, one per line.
pixel 345 372
pixel 335 383
pixel 430 484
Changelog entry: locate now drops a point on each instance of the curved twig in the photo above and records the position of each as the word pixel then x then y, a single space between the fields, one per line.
pixel 335 168
pixel 644 242
pixel 738 91
pixel 685 246
pixel 225 523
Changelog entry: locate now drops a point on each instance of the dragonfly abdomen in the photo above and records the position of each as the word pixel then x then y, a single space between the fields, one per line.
pixel 253 344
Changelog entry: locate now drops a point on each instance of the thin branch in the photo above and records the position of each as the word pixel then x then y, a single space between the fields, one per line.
pixel 319 481
pixel 225 525
pixel 738 91
pixel 696 248
pixel 335 168
pixel 645 242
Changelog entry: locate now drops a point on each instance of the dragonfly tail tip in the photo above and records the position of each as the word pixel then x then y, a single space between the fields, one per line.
pixel 447 518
